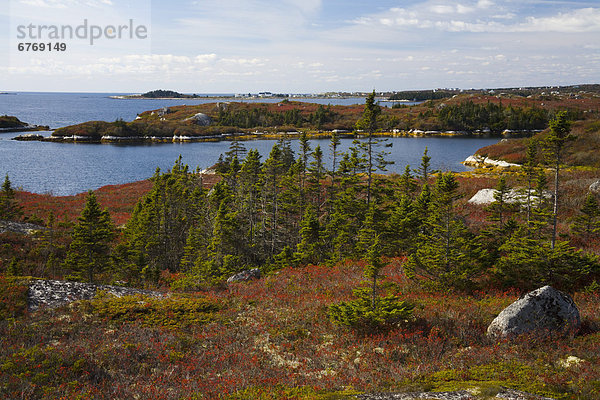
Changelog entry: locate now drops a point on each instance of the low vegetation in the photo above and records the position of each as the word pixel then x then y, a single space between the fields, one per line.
pixel 370 282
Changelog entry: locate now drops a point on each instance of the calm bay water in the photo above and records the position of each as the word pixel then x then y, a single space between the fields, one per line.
pixel 70 168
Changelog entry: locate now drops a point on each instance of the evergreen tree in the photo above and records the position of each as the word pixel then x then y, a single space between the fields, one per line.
pixel 560 127
pixel 402 228
pixel 446 253
pixel 9 208
pixel 309 250
pixel 424 168
pixel 317 174
pixel 157 232
pixel 529 262
pixel 249 203
pixel 541 212
pixel 369 312
pixel 500 206
pixel 529 171
pixel 89 252
pixel 368 124
pixel 272 175
pixel 587 223
pixel 303 167
pixel 225 248
pixel 236 150
pixel 407 184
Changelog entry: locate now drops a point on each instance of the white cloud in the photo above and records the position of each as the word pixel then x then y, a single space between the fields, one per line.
pixel 577 21
pixel 205 58
pixel 481 17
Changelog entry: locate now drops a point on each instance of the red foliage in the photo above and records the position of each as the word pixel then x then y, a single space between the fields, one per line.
pixel 118 199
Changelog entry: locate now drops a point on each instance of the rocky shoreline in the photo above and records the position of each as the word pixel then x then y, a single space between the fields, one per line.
pixel 27 128
pixel 471 161
pixel 478 161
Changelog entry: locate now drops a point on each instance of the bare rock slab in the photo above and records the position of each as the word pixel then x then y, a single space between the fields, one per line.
pixel 245 276
pixel 52 294
pixel 504 393
pixel 542 310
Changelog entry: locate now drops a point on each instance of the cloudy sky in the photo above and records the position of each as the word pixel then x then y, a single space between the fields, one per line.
pixel 225 46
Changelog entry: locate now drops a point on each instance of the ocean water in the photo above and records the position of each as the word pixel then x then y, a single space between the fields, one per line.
pixel 70 168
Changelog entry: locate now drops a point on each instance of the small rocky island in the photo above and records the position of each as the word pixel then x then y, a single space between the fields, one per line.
pixel 13 124
pixel 159 94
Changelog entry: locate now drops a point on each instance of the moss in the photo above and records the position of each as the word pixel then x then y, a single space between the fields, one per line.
pixel 296 393
pixel 172 312
pixel 489 378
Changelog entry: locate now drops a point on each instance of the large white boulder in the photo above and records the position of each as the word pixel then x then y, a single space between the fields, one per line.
pixel 543 310
pixel 200 119
pixel 478 161
pixel 486 196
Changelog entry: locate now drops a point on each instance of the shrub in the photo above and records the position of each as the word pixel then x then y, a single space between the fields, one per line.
pixel 389 311
pixel 13 297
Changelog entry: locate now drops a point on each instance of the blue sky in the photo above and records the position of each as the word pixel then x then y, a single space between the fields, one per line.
pixel 222 46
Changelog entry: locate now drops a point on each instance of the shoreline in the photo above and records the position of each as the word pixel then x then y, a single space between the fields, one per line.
pixel 256 135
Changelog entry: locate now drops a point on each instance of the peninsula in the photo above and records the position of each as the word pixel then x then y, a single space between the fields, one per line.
pixel 474 113
pixel 13 124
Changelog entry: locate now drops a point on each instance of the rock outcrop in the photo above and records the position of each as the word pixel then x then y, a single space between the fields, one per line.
pixel 245 276
pixel 200 119
pixel 486 196
pixel 542 310
pixel 479 161
pixel 52 294
pixel 29 137
pixel 503 393
pixel 19 227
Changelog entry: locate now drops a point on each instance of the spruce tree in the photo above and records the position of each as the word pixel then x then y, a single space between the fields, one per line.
pixel 250 199
pixel 89 251
pixel 529 262
pixel 446 253
pixel 500 206
pixel 317 174
pixel 368 124
pixel 157 232
pixel 529 171
pixel 406 183
pixel 587 223
pixel 425 167
pixel 560 128
pixel 272 175
pixel 309 250
pixel 9 208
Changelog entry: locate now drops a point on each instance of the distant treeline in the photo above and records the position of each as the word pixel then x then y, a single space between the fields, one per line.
pixel 423 95
pixel 469 116
pixel 262 117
